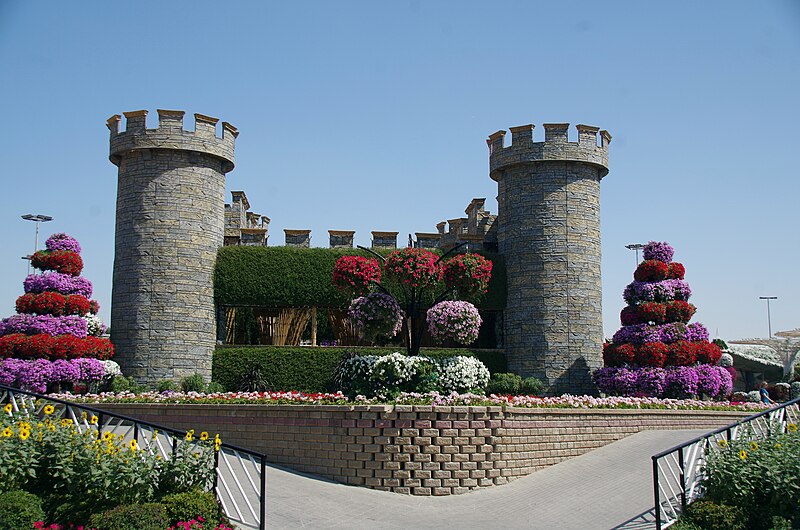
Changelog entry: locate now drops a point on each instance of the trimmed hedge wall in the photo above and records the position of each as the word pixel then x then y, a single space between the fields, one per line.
pixel 309 369
pixel 303 277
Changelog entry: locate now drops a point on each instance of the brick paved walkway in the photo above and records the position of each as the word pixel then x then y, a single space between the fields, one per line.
pixel 608 488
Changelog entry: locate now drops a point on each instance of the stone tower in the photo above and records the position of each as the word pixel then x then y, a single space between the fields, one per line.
pixel 549 233
pixel 170 216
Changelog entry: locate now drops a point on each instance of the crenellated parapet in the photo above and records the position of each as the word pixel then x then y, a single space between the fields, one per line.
pixel 170 134
pixel 591 147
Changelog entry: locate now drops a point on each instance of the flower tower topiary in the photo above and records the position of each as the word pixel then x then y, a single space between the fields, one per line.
pixel 657 352
pixel 54 339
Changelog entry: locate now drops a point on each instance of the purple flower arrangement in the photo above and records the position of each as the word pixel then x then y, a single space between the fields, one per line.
pixel 658 251
pixel 55 281
pixel 676 382
pixel 667 333
pixel 661 291
pixel 30 324
pixel 454 319
pixel 62 241
pixel 37 374
pixel 376 314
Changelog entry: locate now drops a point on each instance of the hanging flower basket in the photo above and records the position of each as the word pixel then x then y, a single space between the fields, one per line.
pixel 376 314
pixel 455 320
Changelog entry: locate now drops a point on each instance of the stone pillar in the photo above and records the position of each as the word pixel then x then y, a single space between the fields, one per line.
pixel 549 233
pixel 170 224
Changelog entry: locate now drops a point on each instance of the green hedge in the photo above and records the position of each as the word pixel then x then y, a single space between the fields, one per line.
pixel 303 277
pixel 308 369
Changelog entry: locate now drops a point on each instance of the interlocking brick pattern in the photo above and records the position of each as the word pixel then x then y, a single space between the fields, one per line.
pixel 419 450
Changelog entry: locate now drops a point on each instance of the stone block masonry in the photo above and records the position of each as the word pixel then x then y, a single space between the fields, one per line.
pixel 549 233
pixel 418 450
pixel 170 217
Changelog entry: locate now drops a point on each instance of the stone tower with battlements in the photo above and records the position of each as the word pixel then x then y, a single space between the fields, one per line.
pixel 549 233
pixel 170 224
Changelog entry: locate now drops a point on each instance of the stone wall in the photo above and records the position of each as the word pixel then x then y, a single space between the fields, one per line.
pixel 549 233
pixel 419 450
pixel 169 227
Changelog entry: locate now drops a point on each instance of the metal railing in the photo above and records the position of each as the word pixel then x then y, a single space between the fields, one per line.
pixel 240 477
pixel 678 472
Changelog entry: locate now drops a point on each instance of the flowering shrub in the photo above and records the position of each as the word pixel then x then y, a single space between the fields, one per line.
pixel 658 251
pixel 355 273
pixel 37 374
pixel 664 382
pixel 94 326
pixel 468 274
pixel 62 241
pixel 53 303
pixel 663 291
pixel 397 372
pixel 51 325
pixel 651 271
pixel 725 359
pixel 55 281
pixel 676 271
pixel 414 267
pixel 461 374
pixel 657 313
pixel 63 261
pixel 376 314
pixel 455 320
pixel 666 333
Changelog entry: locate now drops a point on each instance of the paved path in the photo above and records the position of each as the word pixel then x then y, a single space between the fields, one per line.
pixel 608 488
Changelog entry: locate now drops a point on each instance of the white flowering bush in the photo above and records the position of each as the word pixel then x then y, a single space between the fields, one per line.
pixel 94 325
pixel 397 372
pixel 111 369
pixel 453 319
pixel 460 374
pixel 352 375
pixel 726 360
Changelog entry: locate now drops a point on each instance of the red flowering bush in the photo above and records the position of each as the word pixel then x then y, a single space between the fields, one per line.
pixel 676 271
pixel 682 353
pixel 63 261
pixel 10 344
pixel 618 354
pixel 354 273
pixel 651 270
pixel 43 346
pixel 53 303
pixel 707 352
pixel 680 311
pixel 468 273
pixel 647 312
pixel 94 306
pixel 414 267
pixel 652 354
pixel 37 346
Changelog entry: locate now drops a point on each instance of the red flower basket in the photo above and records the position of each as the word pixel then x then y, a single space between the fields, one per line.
pixel 468 273
pixel 353 274
pixel 53 303
pixel 676 271
pixel 679 311
pixel 682 353
pixel 707 352
pixel 414 267
pixel 618 354
pixel 63 261
pixel 652 354
pixel 651 271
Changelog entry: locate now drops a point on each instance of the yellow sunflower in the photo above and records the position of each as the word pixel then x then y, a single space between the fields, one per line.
pixel 48 409
pixel 133 445
pixel 203 436
pixel 8 408
pixel 722 443
pixel 792 427
pixel 24 434
pixel 754 446
pixel 190 435
pixel 93 420
pixel 7 432
pixel 743 454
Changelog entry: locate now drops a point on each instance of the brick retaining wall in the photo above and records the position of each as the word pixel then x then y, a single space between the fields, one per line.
pixel 419 450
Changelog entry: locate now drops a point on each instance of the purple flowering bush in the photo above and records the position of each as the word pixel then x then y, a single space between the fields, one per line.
pixel 658 251
pixel 453 319
pixel 661 291
pixel 37 374
pixel 55 281
pixel 672 382
pixel 29 324
pixel 376 314
pixel 62 241
pixel 666 333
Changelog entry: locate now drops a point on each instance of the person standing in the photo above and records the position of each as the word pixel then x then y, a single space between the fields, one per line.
pixel 764 394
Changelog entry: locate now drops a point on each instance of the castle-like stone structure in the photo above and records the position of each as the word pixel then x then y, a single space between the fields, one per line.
pixel 171 219
pixel 170 215
pixel 548 196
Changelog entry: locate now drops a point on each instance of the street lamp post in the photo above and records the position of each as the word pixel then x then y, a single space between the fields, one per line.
pixel 769 318
pixel 637 247
pixel 37 218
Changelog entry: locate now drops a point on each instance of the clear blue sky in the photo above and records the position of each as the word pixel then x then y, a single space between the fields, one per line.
pixel 373 115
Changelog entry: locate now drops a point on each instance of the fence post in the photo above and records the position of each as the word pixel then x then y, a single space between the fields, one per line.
pixel 655 493
pixel 683 479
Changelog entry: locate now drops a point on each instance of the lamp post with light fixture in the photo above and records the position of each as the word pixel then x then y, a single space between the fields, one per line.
pixel 637 247
pixel 37 218
pixel 769 317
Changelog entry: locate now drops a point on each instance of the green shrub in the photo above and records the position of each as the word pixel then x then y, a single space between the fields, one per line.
pixel 684 524
pixel 126 384
pixel 19 509
pixel 513 384
pixel 780 523
pixel 214 387
pixel 166 384
pixel 148 516
pixel 710 515
pixel 309 369
pixel 191 504
pixel 193 383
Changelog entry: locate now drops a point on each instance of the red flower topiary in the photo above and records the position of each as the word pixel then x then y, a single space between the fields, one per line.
pixel 707 352
pixel 682 353
pixel 63 261
pixel 414 267
pixel 652 312
pixel 652 354
pixel 468 273
pixel 618 354
pixel 679 311
pixel 94 306
pixel 10 344
pixel 353 274
pixel 76 304
pixel 53 303
pixel 676 271
pixel 651 271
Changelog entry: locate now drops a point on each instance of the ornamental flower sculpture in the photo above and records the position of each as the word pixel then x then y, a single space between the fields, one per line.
pixel 55 336
pixel 657 352
pixel 418 279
